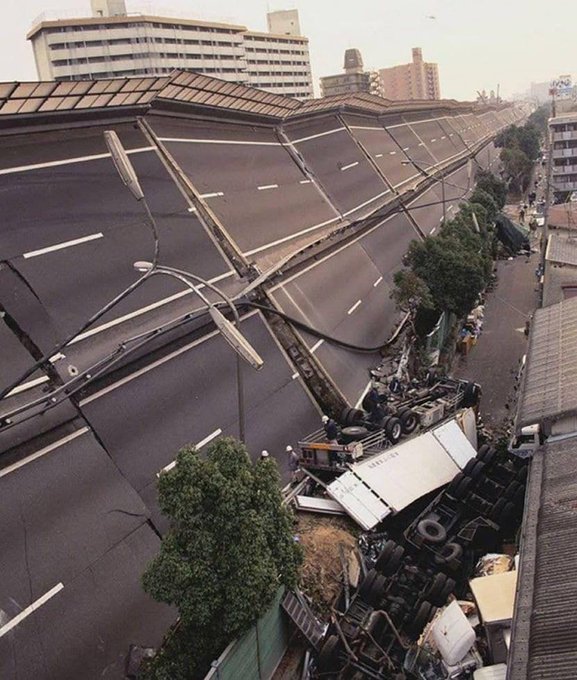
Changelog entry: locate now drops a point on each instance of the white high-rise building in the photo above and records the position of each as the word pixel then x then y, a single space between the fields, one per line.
pixel 112 43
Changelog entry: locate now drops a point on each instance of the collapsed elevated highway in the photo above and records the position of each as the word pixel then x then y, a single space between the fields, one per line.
pixel 309 206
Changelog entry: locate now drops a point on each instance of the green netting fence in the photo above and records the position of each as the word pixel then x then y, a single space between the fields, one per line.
pixel 256 655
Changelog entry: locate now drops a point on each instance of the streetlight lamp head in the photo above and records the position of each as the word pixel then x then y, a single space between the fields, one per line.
pixel 142 266
pixel 123 164
pixel 235 339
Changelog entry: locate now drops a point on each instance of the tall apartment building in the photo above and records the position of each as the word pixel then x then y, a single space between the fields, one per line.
pixel 417 80
pixel 563 131
pixel 354 79
pixel 113 44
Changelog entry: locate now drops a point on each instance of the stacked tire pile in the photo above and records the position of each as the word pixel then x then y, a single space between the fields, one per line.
pixel 410 581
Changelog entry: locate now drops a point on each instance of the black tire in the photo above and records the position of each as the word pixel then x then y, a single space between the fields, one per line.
pixel 344 418
pixel 448 553
pixel 444 595
pixel 436 587
pixel 377 590
pixel 356 416
pixel 393 429
pixel 497 508
pixel 394 562
pixel 431 531
pixel 353 433
pixel 421 618
pixel 365 587
pixel 463 488
pixel 328 661
pixel 486 455
pixel 409 420
pixel 518 499
pixel 505 513
pixel 474 468
pixel 385 555
pixel 454 483
pixel 521 474
pixel 511 490
pixel 471 395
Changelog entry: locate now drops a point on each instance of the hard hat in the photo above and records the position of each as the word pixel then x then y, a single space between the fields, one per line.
pixel 289 448
pixel 264 454
pixel 325 419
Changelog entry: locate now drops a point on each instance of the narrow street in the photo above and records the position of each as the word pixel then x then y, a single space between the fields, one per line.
pixel 495 360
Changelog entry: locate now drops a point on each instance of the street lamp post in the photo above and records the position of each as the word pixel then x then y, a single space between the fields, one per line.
pixel 427 174
pixel 231 333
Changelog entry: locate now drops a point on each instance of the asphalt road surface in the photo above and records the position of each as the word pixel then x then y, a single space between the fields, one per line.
pixel 495 361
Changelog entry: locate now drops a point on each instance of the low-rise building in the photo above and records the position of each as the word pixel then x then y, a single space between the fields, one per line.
pixel 560 276
pixel 112 43
pixel 417 80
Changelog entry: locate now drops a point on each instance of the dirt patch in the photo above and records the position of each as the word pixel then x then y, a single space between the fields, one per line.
pixel 320 538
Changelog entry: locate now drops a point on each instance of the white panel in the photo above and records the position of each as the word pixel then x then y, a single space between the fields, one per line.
pixel 401 475
pixel 455 442
pixel 358 501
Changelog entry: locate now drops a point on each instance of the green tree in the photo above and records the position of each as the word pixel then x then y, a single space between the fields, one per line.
pixel 486 181
pixel 481 197
pixel 229 548
pixel 411 291
pixel 518 167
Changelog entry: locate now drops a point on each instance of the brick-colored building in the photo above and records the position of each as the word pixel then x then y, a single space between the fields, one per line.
pixel 417 80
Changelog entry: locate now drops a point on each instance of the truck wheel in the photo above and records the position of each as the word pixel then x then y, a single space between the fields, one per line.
pixel 454 483
pixel 328 661
pixel 473 468
pixel 521 474
pixel 365 587
pixel 424 613
pixel 448 553
pixel 511 489
pixel 354 433
pixel 393 429
pixel 431 531
pixel 409 421
pixel 436 588
pixel 471 395
pixel 394 561
pixel 505 511
pixel 385 555
pixel 486 455
pixel 377 591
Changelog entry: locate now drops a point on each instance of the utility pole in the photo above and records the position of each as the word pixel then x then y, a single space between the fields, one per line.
pixel 550 147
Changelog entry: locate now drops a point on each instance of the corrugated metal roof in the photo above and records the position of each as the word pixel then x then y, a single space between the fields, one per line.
pixel 549 389
pixel 544 643
pixel 562 249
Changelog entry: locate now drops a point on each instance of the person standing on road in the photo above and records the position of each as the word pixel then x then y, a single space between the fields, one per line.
pixel 522 214
pixel 293 463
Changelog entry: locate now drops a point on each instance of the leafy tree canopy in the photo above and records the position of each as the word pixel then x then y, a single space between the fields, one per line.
pixel 486 181
pixel 229 549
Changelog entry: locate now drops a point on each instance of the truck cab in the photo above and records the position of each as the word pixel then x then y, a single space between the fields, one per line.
pixel 526 442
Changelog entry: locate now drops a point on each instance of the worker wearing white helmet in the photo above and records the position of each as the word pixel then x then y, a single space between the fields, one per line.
pixel 264 455
pixel 293 463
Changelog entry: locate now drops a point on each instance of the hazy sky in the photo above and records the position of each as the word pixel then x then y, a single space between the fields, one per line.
pixel 477 43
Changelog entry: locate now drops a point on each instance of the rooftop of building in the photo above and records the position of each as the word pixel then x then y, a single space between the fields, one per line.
pixel 563 216
pixel 544 640
pixel 563 118
pixel 44 23
pixel 549 387
pixel 562 250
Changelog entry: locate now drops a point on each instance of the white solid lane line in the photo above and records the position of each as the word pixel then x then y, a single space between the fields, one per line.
pixel 294 376
pixel 11 468
pixel 27 386
pixel 362 205
pixel 61 246
pixel 291 237
pixel 69 161
pixel 355 306
pixel 376 283
pixel 316 346
pixel 264 187
pixel 201 443
pixel 143 310
pixel 7 627
pixel 215 194
pixel 320 134
pixel 350 165
pixel 217 141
